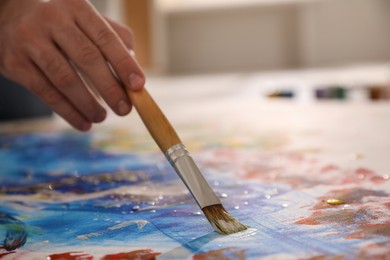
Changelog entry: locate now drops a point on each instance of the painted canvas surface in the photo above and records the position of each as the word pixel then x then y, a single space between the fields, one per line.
pixel 63 194
pixel 111 194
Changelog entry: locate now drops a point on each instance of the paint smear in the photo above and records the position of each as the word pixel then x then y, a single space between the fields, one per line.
pixel 342 216
pixel 363 211
pixel 324 257
pixel 347 196
pixel 4 253
pixel 143 254
pixel 223 253
pixel 94 202
pixel 370 230
pixel 70 256
pixel 376 251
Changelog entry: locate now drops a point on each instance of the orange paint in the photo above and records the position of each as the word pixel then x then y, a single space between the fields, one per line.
pixel 143 254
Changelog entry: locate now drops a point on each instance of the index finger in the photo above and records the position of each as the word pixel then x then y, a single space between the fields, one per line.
pixel 111 46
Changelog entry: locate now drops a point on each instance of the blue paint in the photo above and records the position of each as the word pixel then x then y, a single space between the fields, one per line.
pixel 15 232
pixel 53 166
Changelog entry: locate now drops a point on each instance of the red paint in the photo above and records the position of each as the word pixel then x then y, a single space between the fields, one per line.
pixel 323 257
pixel 253 174
pixel 70 256
pixel 309 221
pixel 377 179
pixel 329 168
pixel 143 254
pixel 364 172
pixel 5 253
pixel 357 235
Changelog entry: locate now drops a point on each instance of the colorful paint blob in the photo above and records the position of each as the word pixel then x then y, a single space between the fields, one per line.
pixel 334 201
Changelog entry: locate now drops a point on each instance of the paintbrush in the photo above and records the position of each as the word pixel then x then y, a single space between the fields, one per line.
pixel 178 156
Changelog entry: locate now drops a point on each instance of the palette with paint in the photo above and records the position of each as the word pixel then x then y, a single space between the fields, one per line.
pixel 110 194
pixel 357 84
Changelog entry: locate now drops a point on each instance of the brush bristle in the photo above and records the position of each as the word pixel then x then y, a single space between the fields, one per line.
pixel 221 220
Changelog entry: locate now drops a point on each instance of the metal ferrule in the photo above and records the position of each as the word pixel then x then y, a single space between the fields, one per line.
pixel 186 168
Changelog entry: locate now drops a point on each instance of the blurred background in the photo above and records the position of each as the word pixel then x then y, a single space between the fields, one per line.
pixel 319 49
pixel 199 36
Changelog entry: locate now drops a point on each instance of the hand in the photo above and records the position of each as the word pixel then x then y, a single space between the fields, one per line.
pixel 54 47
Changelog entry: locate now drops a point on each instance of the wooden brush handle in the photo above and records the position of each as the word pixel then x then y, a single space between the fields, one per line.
pixel 154 119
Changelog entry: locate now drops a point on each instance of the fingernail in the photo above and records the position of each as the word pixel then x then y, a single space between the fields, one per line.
pixel 123 107
pixel 136 81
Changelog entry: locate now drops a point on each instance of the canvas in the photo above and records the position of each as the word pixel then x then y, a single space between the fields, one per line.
pixel 110 194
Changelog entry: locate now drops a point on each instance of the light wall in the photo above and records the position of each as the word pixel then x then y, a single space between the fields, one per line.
pixel 263 35
pixel 345 31
pixel 136 15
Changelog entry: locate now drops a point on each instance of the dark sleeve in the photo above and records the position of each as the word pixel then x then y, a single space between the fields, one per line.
pixel 16 102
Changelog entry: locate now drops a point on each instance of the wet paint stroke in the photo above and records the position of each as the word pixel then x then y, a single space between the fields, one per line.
pixel 142 254
pixel 66 195
pixel 4 252
pixel 70 256
pixel 223 253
